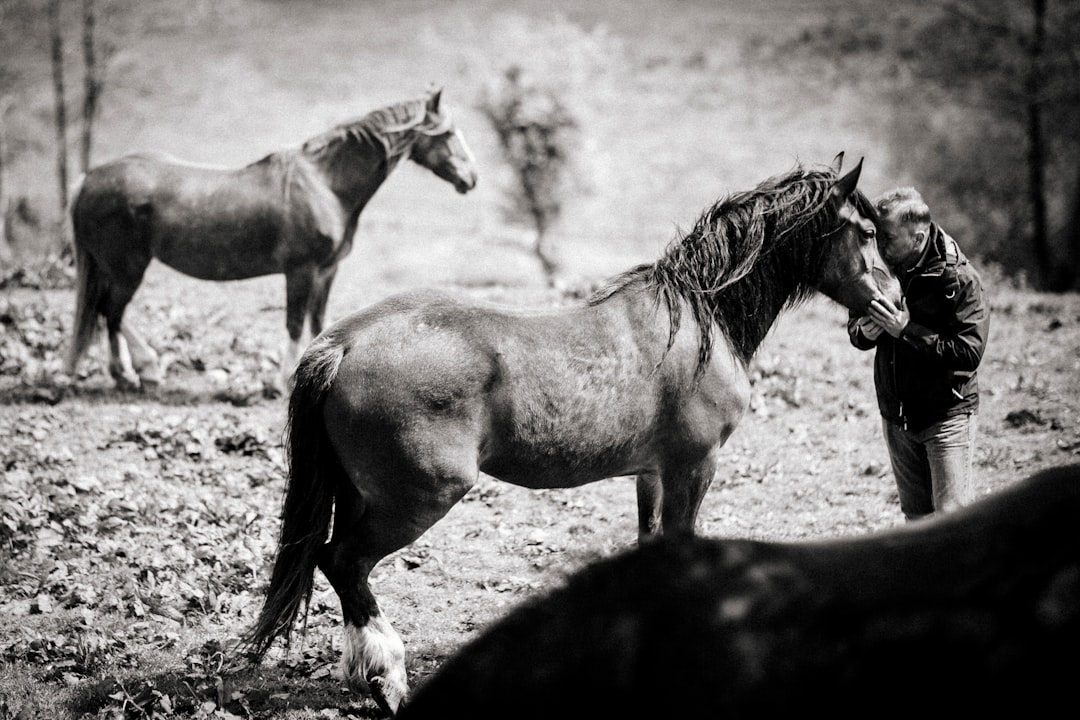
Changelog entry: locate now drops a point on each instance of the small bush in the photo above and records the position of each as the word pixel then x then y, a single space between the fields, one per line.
pixel 549 99
pixel 536 135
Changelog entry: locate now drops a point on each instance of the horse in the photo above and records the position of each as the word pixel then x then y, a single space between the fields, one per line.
pixel 396 409
pixel 976 611
pixel 294 212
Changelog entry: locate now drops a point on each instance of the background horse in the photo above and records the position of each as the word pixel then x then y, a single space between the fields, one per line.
pixel 975 612
pixel 293 212
pixel 397 409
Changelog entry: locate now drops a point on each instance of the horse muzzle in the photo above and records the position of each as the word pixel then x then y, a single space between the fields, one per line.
pixel 464 182
pixel 887 284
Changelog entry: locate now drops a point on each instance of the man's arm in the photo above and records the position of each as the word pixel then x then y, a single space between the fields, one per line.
pixel 962 346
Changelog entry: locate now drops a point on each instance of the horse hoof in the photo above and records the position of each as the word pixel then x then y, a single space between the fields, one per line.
pixel 151 378
pixel 387 695
pixel 125 380
pixel 124 383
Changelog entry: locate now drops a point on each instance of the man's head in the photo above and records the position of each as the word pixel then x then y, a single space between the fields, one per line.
pixel 903 226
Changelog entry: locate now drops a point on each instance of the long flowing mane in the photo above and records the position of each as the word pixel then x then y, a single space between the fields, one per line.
pixel 746 258
pixel 393 128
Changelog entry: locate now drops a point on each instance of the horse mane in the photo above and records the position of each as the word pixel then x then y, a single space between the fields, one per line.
pixel 747 257
pixel 392 128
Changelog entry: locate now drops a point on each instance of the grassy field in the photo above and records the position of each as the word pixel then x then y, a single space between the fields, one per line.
pixel 137 531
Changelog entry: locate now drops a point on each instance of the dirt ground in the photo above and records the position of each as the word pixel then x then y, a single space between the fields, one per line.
pixel 137 529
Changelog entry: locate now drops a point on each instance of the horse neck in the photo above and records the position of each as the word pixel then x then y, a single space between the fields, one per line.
pixel 353 168
pixel 745 309
pixel 749 307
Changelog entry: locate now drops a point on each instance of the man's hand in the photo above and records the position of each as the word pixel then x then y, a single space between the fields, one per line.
pixel 891 318
pixel 869 327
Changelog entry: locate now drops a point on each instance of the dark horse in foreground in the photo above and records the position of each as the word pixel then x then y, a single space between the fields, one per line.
pixel 293 212
pixel 398 408
pixel 970 614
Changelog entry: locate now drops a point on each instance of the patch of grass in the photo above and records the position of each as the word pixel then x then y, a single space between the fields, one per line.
pixel 23 695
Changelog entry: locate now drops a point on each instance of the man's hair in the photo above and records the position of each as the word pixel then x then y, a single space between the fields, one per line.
pixel 904 204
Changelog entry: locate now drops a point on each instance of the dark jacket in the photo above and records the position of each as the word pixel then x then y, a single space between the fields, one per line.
pixel 929 372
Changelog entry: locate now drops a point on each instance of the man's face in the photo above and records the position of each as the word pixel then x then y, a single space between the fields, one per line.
pixel 900 243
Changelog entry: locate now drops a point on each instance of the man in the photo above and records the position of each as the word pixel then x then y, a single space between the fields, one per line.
pixel 928 352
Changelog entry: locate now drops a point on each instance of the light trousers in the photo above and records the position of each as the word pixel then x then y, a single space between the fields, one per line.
pixel 932 467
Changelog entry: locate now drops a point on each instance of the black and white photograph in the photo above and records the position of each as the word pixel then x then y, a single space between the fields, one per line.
pixel 513 359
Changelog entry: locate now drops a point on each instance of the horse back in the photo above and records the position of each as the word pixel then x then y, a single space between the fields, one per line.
pixel 209 222
pixel 1026 529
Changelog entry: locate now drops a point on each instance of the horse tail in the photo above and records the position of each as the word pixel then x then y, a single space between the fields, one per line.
pixel 90 286
pixel 309 496
pixel 74 190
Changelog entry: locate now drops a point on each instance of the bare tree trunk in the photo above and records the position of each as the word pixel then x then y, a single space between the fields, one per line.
pixel 5 246
pixel 1037 148
pixel 540 221
pixel 92 84
pixel 1069 275
pixel 540 249
pixel 61 112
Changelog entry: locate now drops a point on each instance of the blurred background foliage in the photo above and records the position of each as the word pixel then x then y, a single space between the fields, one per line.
pixel 672 103
pixel 984 103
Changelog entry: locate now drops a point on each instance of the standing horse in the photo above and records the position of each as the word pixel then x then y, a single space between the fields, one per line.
pixel 397 409
pixel 293 212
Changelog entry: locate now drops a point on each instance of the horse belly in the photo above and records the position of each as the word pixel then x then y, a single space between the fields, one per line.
pixel 562 428
pixel 545 446
pixel 537 469
pixel 213 256
pixel 223 245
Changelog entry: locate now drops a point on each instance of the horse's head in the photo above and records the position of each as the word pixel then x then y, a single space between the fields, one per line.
pixel 440 147
pixel 855 273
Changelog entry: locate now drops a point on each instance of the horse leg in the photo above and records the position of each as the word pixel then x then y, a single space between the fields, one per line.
pixel 120 363
pixel 299 284
pixel 320 294
pixel 650 497
pixel 107 293
pixel 684 487
pixel 143 357
pixel 391 501
pixel 373 655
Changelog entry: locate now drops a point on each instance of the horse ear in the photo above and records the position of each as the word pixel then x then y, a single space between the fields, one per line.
pixel 434 97
pixel 843 187
pixel 837 162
